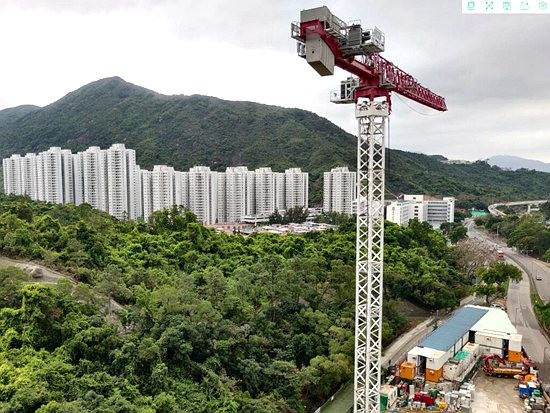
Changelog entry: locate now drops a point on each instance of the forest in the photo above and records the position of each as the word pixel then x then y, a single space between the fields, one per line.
pixel 170 316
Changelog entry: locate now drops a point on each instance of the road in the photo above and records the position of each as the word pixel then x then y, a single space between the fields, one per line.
pixel 493 209
pixel 518 302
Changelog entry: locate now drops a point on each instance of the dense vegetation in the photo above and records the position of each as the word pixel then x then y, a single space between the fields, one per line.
pixel 183 131
pixel 210 322
pixel 528 233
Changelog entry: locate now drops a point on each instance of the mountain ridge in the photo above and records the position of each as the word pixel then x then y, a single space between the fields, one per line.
pixel 187 130
pixel 516 162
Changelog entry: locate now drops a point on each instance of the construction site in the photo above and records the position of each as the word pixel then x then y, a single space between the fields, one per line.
pixel 438 374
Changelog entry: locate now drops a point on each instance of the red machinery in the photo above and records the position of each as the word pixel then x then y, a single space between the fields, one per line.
pixel 500 368
pixel 326 41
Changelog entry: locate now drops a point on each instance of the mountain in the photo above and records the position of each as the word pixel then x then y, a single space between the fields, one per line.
pixel 515 162
pixel 11 115
pixel 473 184
pixel 184 131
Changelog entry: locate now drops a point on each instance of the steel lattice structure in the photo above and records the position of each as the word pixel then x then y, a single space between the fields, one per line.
pixel 372 118
pixel 325 41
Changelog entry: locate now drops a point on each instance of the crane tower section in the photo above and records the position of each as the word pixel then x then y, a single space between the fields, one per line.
pixel 326 42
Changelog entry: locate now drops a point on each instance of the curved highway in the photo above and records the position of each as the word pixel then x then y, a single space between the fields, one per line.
pixel 518 301
pixel 493 209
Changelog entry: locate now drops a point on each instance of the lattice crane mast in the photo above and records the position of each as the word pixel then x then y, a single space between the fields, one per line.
pixel 326 41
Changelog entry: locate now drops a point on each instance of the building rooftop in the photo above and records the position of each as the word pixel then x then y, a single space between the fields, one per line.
pixel 459 324
pixel 496 320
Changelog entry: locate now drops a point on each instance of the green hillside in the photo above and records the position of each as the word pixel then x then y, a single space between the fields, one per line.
pixel 11 115
pixel 472 184
pixel 184 131
pixel 206 322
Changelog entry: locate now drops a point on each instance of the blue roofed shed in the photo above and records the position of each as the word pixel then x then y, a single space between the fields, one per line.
pixel 446 336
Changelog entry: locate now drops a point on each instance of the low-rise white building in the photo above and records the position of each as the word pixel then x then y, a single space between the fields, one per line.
pixel 423 208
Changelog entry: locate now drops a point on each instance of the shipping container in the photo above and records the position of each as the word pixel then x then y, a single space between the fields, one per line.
pixel 407 370
pixel 434 375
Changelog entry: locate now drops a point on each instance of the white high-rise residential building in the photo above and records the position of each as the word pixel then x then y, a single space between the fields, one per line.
pixel 296 188
pixel 94 172
pixel 110 180
pixel 235 194
pixel 181 189
pixel 123 182
pixel 434 211
pixel 52 172
pixel 203 185
pixel 221 205
pixel 147 193
pixel 280 191
pixel 163 187
pixel 250 193
pixel 29 176
pixel 78 174
pixel 339 190
pixel 136 202
pixel 40 177
pixel 68 176
pixel 264 189
pixel 11 168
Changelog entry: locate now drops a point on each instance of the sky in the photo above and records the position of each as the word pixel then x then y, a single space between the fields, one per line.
pixel 493 70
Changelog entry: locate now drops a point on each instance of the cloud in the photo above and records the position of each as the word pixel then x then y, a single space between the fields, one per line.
pixel 491 69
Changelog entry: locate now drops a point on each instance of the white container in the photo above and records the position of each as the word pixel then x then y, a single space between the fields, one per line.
pixel 450 371
pixel 473 348
pixel 515 342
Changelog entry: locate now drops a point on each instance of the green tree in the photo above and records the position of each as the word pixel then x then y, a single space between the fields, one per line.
pixel 492 280
pixel 296 214
pixel 457 233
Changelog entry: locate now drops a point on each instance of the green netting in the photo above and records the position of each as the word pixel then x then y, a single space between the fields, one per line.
pixel 462 355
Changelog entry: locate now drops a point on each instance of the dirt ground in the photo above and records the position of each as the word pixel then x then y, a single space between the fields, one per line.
pixel 495 395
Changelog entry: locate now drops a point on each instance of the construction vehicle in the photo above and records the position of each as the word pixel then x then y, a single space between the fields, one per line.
pixel 494 365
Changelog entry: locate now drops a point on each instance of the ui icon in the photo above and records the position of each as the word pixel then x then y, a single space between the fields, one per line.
pixel 488 5
pixel 507 5
pixel 471 5
pixel 543 5
pixel 524 5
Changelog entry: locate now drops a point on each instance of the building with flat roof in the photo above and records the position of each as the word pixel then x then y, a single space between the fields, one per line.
pixel 472 332
pixel 423 208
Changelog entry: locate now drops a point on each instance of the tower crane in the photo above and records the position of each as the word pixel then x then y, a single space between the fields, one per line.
pixel 325 41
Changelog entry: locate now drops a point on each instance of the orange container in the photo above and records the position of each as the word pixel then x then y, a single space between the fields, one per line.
pixel 434 375
pixel 407 370
pixel 514 356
